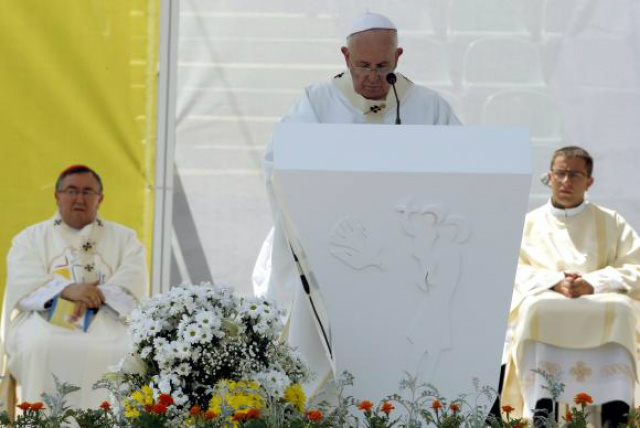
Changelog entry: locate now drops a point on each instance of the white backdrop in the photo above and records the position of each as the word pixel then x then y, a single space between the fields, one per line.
pixel 567 69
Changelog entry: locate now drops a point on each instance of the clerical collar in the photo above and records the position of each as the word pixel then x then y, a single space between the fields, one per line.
pixel 568 212
pixel 58 222
pixel 373 110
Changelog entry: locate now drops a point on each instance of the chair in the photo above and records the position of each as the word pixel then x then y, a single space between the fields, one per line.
pixel 426 61
pixel 600 59
pixel 495 63
pixel 524 108
pixel 487 17
pixel 556 16
pixel 502 60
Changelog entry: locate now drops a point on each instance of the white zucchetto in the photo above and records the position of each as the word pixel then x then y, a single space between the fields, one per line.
pixel 371 21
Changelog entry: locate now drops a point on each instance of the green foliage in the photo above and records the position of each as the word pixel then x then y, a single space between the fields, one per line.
pixel 422 405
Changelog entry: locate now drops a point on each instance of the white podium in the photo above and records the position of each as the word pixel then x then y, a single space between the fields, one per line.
pixel 409 238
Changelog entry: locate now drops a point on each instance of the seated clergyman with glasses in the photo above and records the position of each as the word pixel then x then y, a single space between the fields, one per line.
pixel 573 313
pixel 70 281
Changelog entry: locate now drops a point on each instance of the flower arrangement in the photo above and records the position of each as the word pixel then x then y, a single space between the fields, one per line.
pixel 189 340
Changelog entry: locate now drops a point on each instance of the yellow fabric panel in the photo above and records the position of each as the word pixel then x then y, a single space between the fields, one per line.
pixel 78 85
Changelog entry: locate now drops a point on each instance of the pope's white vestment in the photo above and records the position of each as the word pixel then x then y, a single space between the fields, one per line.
pixel 43 260
pixel 335 101
pixel 598 244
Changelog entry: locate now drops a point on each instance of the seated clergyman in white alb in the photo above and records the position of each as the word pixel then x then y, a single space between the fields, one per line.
pixel 574 309
pixel 359 95
pixel 75 260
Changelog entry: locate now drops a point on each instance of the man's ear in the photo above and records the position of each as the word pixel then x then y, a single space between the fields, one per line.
pixel 346 54
pixel 399 52
pixel 590 181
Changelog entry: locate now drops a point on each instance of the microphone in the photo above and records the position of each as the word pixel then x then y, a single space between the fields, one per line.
pixel 391 79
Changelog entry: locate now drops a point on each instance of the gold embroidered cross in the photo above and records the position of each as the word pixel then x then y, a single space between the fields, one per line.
pixel 580 371
pixel 376 108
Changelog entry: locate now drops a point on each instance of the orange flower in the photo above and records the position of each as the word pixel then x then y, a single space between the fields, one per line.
pixel 195 411
pixel 37 406
pixel 507 409
pixel 365 406
pixel 454 408
pixel 106 406
pixel 583 399
pixel 387 407
pixel 314 415
pixel 210 414
pixel 24 406
pixel 239 416
pixel 518 426
pixel 568 416
pixel 253 413
pixel 436 405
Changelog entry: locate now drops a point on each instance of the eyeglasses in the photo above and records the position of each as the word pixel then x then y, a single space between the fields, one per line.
pixel 561 174
pixel 380 71
pixel 73 192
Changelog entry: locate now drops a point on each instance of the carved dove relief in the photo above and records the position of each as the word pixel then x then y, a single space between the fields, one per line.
pixel 352 244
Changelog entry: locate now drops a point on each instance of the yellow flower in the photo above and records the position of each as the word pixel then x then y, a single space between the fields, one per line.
pixel 295 395
pixel 148 395
pixel 215 404
pixel 131 412
pixel 240 396
pixel 137 397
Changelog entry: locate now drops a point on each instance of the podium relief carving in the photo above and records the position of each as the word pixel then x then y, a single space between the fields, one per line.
pixel 353 244
pixel 437 238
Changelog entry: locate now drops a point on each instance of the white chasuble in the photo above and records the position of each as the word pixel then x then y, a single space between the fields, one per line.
pixel 49 256
pixel 276 275
pixel 598 244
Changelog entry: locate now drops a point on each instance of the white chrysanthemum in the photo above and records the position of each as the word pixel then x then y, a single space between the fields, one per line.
pixel 179 397
pixel 184 322
pixel 159 343
pixel 206 336
pixel 149 327
pixel 183 369
pixel 261 327
pixel 164 385
pixel 176 308
pixel 193 333
pixel 184 350
pixel 273 381
pixel 208 320
pixel 144 353
pixel 252 308
pixel 172 350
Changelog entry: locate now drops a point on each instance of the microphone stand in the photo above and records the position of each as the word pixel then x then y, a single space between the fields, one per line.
pixel 391 79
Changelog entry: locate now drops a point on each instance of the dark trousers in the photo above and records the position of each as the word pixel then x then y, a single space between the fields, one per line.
pixel 613 413
pixel 495 409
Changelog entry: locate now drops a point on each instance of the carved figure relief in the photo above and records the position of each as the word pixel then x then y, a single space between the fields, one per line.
pixel 437 238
